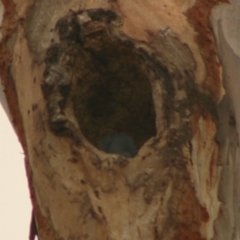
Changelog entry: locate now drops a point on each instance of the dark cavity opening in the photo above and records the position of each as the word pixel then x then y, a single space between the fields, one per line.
pixel 112 92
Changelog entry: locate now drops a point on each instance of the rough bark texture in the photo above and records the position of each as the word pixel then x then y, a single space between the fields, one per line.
pixel 76 71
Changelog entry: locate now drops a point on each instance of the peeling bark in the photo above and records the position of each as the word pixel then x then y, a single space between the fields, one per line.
pixel 82 71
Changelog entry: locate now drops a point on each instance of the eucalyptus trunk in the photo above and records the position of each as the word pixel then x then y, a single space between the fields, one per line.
pixel 76 72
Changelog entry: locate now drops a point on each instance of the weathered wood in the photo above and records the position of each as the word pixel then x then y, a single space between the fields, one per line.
pixel 75 72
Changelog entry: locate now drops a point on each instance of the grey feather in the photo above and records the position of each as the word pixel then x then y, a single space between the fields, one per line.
pixel 118 143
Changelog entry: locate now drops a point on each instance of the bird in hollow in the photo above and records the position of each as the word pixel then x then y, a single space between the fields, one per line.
pixel 118 143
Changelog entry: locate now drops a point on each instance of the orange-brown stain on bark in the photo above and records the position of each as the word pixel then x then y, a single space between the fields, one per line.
pixel 186 213
pixel 198 16
pixel 205 215
pixel 43 224
pixel 9 25
pixel 186 235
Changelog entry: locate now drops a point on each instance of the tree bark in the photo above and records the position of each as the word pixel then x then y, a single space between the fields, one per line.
pixel 74 72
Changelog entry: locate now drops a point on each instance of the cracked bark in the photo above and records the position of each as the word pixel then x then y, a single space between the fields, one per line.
pixel 86 70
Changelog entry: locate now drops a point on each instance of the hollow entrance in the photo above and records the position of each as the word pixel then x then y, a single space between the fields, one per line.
pixel 112 92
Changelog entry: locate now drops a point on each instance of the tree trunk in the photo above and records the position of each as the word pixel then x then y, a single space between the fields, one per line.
pixel 77 72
